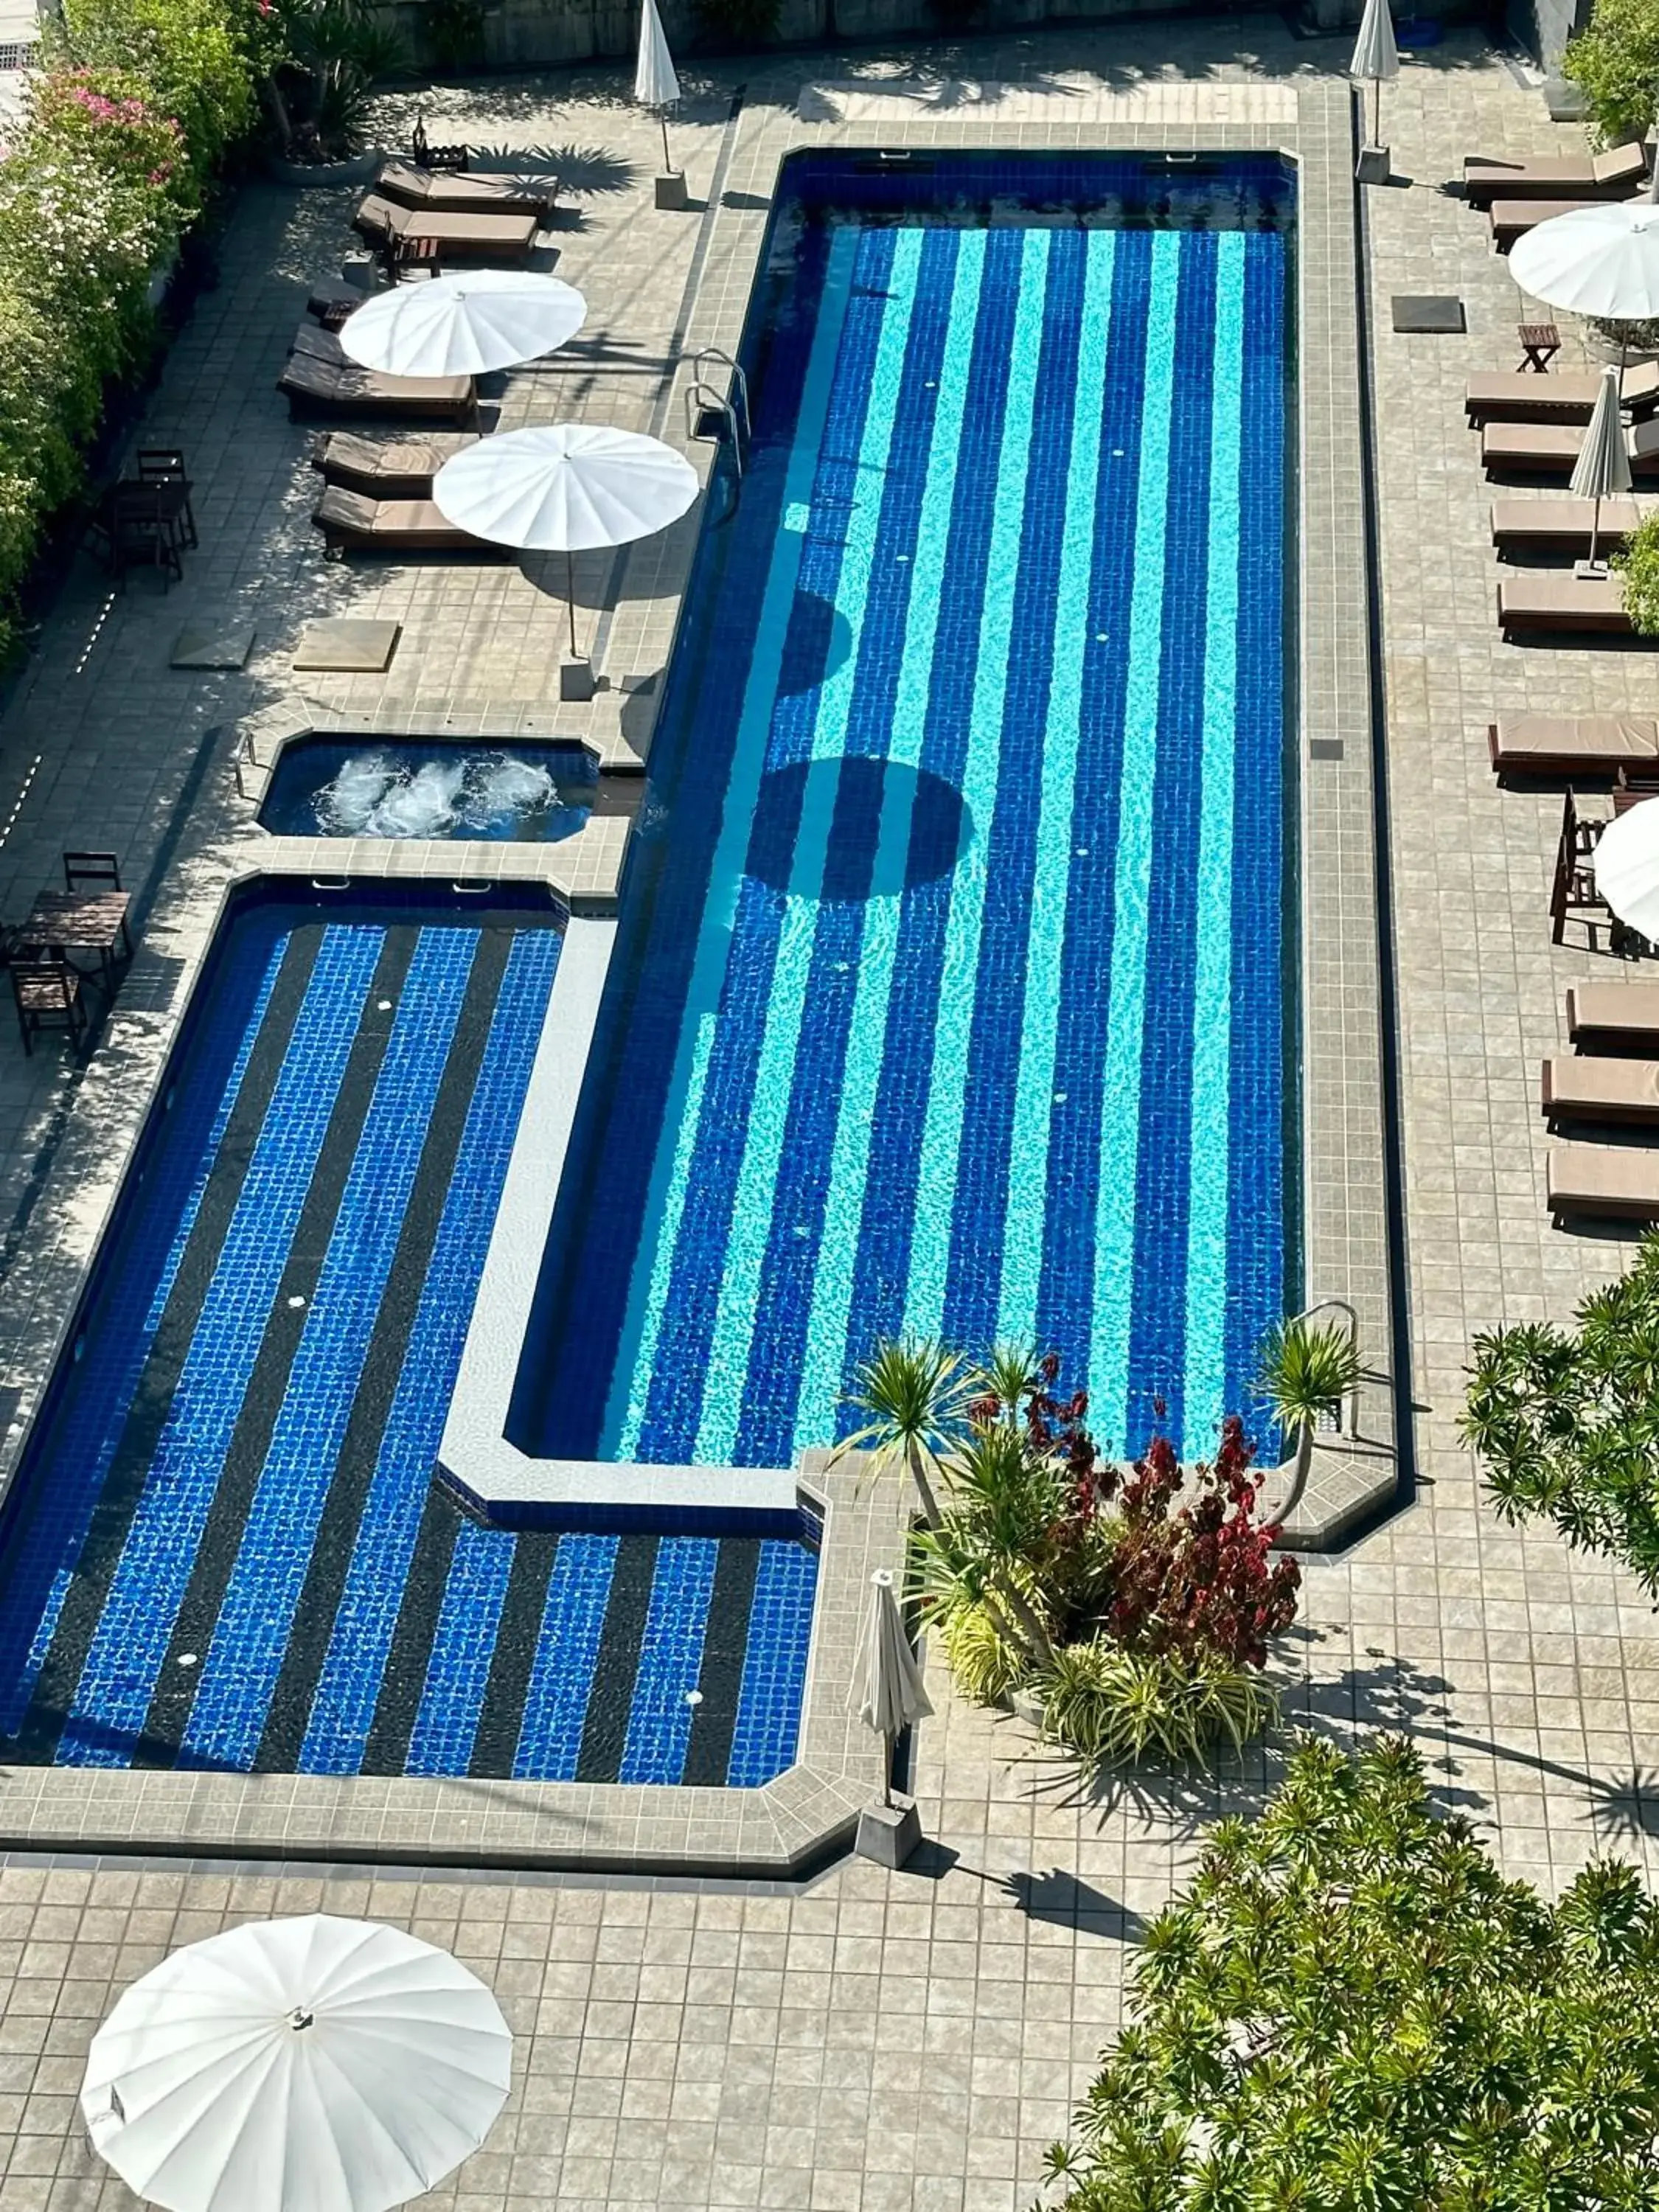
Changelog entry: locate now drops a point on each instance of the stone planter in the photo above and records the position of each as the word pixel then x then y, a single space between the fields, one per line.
pixel 361 169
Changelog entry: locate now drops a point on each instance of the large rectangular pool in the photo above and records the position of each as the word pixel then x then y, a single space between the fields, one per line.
pixel 953 991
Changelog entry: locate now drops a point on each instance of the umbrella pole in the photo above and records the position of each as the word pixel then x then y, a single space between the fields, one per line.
pixel 886 1770
pixel 570 600
pixel 1596 527
pixel 667 158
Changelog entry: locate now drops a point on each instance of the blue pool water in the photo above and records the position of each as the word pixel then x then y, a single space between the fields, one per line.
pixel 373 787
pixel 226 1549
pixel 952 989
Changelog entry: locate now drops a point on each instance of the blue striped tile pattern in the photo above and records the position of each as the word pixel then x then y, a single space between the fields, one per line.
pixel 952 993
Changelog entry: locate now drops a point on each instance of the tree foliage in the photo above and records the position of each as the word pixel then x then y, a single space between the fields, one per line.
pixel 1639 564
pixel 1614 62
pixel 1350 2010
pixel 1566 1422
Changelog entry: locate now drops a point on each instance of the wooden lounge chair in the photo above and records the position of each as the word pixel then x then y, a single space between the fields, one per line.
pixel 1619 1179
pixel 1572 745
pixel 315 385
pixel 1601 1014
pixel 442 192
pixel 1551 449
pixel 385 468
pixel 1562 525
pixel 1555 601
pixel 1518 396
pixel 1513 219
pixel 1613 175
pixel 453 237
pixel 1579 1088
pixel 351 523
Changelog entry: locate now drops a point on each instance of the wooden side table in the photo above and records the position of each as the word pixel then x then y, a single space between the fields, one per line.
pixel 1539 343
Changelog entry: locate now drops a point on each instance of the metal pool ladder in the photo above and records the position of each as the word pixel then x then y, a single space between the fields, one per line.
pixel 730 407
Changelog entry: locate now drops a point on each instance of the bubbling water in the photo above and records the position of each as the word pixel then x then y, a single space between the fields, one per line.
pixel 497 785
pixel 376 796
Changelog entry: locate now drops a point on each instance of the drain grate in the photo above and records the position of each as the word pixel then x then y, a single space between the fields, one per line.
pixel 17 54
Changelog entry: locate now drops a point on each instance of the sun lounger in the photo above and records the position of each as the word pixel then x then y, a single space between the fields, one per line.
pixel 1518 396
pixel 1550 449
pixel 1579 1088
pixel 313 385
pixel 385 468
pixel 1601 1014
pixel 455 237
pixel 1613 175
pixel 442 192
pixel 351 523
pixel 1621 1180
pixel 1558 602
pixel 1573 744
pixel 1562 525
pixel 1513 219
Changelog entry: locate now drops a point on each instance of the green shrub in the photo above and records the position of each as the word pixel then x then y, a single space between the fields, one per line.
pixel 983 1665
pixel 197 58
pixel 1111 1707
pixel 1639 564
pixel 1614 62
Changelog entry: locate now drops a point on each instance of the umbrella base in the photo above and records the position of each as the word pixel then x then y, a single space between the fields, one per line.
pixel 576 681
pixel 1375 165
pixel 1597 570
pixel 889 1833
pixel 670 190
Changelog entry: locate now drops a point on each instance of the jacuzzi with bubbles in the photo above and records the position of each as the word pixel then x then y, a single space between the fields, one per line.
pixel 366 787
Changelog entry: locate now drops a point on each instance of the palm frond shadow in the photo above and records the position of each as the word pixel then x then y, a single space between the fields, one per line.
pixel 589 171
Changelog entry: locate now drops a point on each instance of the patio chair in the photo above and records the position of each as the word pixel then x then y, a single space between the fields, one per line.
pixel 91 872
pixel 1550 449
pixel 443 192
pixel 1557 603
pixel 48 994
pixel 1620 1180
pixel 1602 1016
pixel 385 468
pixel 1517 395
pixel 1571 744
pixel 1579 1088
pixel 456 237
pixel 352 523
pixel 1613 175
pixel 1562 525
pixel 165 464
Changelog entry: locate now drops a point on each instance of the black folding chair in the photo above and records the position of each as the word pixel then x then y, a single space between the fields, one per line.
pixel 91 872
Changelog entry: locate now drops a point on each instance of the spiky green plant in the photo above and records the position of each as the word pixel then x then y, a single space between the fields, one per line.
pixel 916 1393
pixel 1307 1369
pixel 1111 1707
pixel 1010 1375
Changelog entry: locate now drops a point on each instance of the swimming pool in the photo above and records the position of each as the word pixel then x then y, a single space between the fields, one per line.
pixel 225 1548
pixel 955 985
pixel 373 787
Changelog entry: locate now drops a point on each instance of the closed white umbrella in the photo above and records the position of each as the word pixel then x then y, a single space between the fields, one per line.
pixel 565 488
pixel 464 324
pixel 655 84
pixel 1600 261
pixel 1602 469
pixel 1627 867
pixel 1376 55
pixel 308 2065
pixel 887 1693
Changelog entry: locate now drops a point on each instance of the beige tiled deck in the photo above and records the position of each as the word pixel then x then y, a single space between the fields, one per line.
pixel 911 2042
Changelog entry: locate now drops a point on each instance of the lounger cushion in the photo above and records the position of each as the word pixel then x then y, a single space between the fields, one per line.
pixel 444 191
pixel 392 525
pixel 1613 1010
pixel 1552 448
pixel 1550 600
pixel 386 468
pixel 455 234
pixel 311 380
pixel 1588 1089
pixel 1522 524
pixel 1618 1179
pixel 1524 398
pixel 1555 176
pixel 1555 744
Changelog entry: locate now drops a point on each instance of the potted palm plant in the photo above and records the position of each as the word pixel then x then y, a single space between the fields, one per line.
pixel 1308 1369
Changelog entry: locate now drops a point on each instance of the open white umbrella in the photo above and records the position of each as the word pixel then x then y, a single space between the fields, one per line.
pixel 1627 867
pixel 1600 261
pixel 308 2065
pixel 1602 469
pixel 1376 55
pixel 887 1693
pixel 655 84
pixel 565 488
pixel 464 324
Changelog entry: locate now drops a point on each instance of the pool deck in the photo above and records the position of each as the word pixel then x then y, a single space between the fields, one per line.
pixel 868 2041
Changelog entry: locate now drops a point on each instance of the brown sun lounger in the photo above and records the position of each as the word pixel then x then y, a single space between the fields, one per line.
pixel 1513 219
pixel 1601 1014
pixel 443 192
pixel 385 468
pixel 1573 744
pixel 455 237
pixel 1613 175
pixel 1579 1088
pixel 313 385
pixel 1551 449
pixel 1621 1180
pixel 351 523
pixel 1518 396
pixel 1562 525
pixel 1553 601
